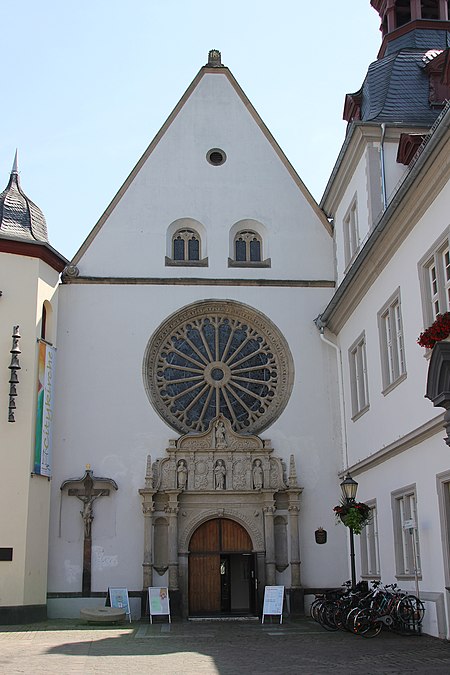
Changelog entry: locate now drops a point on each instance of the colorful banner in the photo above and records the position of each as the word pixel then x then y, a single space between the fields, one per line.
pixel 44 413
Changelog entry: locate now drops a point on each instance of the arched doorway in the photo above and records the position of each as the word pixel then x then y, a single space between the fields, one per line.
pixel 221 569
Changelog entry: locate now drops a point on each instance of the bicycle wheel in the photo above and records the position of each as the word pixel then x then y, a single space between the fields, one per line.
pixel 366 623
pixel 325 617
pixel 410 610
pixel 314 609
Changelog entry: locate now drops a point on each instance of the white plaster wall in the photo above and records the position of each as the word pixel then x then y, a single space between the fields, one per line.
pixel 404 408
pixel 418 465
pixel 357 186
pixel 105 419
pixel 177 182
pixel 394 171
pixel 24 500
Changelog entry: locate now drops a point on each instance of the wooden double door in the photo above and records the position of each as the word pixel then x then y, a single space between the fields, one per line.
pixel 221 570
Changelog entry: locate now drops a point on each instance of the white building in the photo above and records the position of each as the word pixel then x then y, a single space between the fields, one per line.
pixel 191 375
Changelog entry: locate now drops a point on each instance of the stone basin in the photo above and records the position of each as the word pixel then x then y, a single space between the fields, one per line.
pixel 102 614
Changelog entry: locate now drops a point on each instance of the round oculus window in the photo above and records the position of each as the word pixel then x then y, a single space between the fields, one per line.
pixel 218 357
pixel 216 157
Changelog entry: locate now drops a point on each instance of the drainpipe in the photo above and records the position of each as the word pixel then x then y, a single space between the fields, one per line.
pixel 383 168
pixel 341 396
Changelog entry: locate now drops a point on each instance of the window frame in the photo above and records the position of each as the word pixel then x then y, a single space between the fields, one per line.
pixel 435 288
pixel 352 240
pixel 369 543
pixel 185 234
pixel 250 235
pixel 392 343
pixel 443 490
pixel 404 506
pixel 359 385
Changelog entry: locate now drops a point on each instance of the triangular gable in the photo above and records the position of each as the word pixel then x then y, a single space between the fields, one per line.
pixel 203 71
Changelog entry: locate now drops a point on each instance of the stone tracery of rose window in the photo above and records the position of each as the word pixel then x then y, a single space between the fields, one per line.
pixel 218 357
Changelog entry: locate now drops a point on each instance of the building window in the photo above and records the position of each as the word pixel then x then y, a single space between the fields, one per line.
pixel 351 233
pixel 186 245
pixel 393 365
pixel 435 274
pixel 247 247
pixel 443 486
pixel 406 539
pixel 358 377
pixel 370 555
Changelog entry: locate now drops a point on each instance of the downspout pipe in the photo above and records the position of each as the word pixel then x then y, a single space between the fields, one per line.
pixel 341 394
pixel 383 167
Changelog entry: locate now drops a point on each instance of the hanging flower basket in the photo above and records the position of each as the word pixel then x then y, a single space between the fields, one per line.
pixel 439 330
pixel 355 515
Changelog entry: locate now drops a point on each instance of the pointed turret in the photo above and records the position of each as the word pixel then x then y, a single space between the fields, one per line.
pixel 19 216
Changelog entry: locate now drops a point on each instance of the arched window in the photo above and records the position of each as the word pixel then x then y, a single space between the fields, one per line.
pixel 47 322
pixel 430 9
pixel 402 12
pixel 186 245
pixel 247 246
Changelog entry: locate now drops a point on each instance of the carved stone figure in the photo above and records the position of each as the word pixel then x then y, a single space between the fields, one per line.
pixel 258 475
pixel 87 513
pixel 220 435
pixel 182 473
pixel 219 475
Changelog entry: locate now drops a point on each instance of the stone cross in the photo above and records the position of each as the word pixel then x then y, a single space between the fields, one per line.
pixel 84 489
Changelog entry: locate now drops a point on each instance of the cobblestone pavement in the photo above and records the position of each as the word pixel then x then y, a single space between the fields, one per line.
pixel 213 648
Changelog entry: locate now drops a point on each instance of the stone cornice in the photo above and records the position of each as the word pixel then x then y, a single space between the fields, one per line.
pixel 32 249
pixel 403 443
pixel 360 135
pixel 428 176
pixel 198 281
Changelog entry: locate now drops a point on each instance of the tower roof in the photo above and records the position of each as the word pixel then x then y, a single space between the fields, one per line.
pixel 19 216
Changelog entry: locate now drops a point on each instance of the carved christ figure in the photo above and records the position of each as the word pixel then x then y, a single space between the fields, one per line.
pixel 87 512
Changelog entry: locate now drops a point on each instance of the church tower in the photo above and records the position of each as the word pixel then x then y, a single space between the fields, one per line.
pixel 29 276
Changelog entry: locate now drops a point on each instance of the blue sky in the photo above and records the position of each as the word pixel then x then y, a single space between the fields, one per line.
pixel 88 83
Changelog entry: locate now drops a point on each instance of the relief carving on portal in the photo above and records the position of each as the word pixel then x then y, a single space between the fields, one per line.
pixel 219 459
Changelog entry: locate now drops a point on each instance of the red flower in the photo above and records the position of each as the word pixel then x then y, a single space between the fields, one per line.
pixel 439 330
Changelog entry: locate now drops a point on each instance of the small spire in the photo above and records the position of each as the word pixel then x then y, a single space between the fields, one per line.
pixel 15 166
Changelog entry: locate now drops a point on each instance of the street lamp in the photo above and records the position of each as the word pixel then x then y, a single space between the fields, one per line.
pixel 349 488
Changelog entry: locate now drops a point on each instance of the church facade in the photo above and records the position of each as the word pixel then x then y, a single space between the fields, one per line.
pixel 227 349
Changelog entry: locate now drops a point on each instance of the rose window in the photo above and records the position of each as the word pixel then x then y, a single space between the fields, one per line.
pixel 218 357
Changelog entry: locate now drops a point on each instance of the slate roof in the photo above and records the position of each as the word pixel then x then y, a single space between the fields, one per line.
pixel 396 89
pixel 19 216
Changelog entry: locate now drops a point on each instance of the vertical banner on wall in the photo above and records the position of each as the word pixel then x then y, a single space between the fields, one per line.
pixel 44 413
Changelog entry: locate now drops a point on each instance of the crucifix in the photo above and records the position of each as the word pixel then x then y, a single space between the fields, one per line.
pixel 84 489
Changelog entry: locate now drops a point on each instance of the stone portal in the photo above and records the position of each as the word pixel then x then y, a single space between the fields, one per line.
pixel 226 479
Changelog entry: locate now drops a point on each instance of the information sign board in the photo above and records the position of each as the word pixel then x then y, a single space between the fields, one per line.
pixel 273 602
pixel 158 602
pixel 118 597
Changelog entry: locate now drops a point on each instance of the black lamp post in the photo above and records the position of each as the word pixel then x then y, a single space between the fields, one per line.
pixel 349 488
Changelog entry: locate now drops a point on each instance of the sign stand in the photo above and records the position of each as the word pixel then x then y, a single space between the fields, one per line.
pixel 158 602
pixel 118 598
pixel 273 602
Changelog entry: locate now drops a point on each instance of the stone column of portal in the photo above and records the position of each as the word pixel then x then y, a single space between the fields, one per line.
pixel 269 535
pixel 296 592
pixel 172 513
pixel 294 508
pixel 147 509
